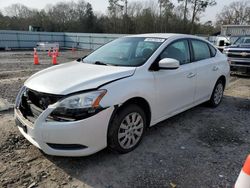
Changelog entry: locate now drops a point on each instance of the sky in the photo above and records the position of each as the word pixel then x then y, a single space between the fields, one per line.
pixel 101 6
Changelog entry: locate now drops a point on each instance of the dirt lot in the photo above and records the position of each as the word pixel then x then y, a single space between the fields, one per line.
pixel 201 147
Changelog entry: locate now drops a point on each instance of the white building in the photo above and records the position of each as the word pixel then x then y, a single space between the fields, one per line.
pixel 235 30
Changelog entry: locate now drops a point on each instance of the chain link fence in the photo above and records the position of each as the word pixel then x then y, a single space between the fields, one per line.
pixel 28 39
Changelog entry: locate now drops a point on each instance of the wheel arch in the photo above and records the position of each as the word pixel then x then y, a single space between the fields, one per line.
pixel 141 102
pixel 223 79
pixel 111 139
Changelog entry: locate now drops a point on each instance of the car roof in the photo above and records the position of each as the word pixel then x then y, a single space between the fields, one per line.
pixel 161 35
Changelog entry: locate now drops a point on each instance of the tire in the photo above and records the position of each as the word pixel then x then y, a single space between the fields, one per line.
pixel 126 129
pixel 217 94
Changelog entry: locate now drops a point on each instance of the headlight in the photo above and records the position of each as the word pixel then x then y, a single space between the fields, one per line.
pixel 225 51
pixel 79 106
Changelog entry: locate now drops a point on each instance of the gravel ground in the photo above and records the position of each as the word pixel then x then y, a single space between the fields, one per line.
pixel 202 147
pixel 16 67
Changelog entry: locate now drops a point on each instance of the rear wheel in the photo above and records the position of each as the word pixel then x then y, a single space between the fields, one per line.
pixel 217 94
pixel 127 129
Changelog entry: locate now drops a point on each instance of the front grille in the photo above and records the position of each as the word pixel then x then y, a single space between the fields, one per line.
pixel 240 61
pixel 33 103
pixel 239 54
pixel 42 100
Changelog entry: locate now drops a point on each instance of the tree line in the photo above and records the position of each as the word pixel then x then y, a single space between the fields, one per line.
pixel 123 16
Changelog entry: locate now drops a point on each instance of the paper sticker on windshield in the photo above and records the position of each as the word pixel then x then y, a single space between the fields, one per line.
pixel 154 40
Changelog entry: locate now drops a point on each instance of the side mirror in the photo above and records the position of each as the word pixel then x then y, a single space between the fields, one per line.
pixel 221 43
pixel 169 63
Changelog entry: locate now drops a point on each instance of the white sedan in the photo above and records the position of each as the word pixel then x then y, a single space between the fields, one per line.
pixel 110 97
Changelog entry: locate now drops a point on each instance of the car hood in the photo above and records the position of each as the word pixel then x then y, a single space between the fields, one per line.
pixel 74 76
pixel 240 47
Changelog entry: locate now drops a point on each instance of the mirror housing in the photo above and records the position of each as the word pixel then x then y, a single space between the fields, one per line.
pixel 221 43
pixel 169 63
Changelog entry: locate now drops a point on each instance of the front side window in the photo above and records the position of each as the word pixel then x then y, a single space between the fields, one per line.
pixel 177 50
pixel 201 50
pixel 128 51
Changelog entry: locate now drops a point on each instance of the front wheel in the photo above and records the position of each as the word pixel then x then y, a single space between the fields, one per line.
pixel 127 129
pixel 217 94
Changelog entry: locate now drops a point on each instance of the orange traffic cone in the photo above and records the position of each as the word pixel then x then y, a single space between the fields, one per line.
pixel 243 180
pixel 54 60
pixel 57 52
pixel 36 60
pixel 49 53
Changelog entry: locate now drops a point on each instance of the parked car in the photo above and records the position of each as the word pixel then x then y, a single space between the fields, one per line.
pixel 220 42
pixel 111 96
pixel 239 54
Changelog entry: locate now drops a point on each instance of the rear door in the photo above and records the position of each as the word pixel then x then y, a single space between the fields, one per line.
pixel 207 68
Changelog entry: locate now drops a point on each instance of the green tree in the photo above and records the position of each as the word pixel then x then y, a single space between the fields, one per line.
pixel 237 13
pixel 199 6
pixel 123 17
pixel 166 13
pixel 90 18
pixel 185 12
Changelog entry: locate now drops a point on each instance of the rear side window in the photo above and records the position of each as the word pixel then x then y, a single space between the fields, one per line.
pixel 201 50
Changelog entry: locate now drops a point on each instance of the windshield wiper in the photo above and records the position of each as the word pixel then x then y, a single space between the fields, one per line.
pixel 100 63
pixel 81 59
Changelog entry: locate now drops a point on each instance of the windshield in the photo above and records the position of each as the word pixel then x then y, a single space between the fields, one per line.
pixel 242 40
pixel 128 51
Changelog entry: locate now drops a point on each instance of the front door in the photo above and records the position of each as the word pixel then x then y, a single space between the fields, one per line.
pixel 175 88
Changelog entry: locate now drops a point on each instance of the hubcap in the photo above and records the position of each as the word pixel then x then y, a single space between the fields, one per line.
pixel 130 130
pixel 218 93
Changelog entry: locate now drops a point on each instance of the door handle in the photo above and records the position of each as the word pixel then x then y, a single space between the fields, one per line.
pixel 191 75
pixel 215 68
